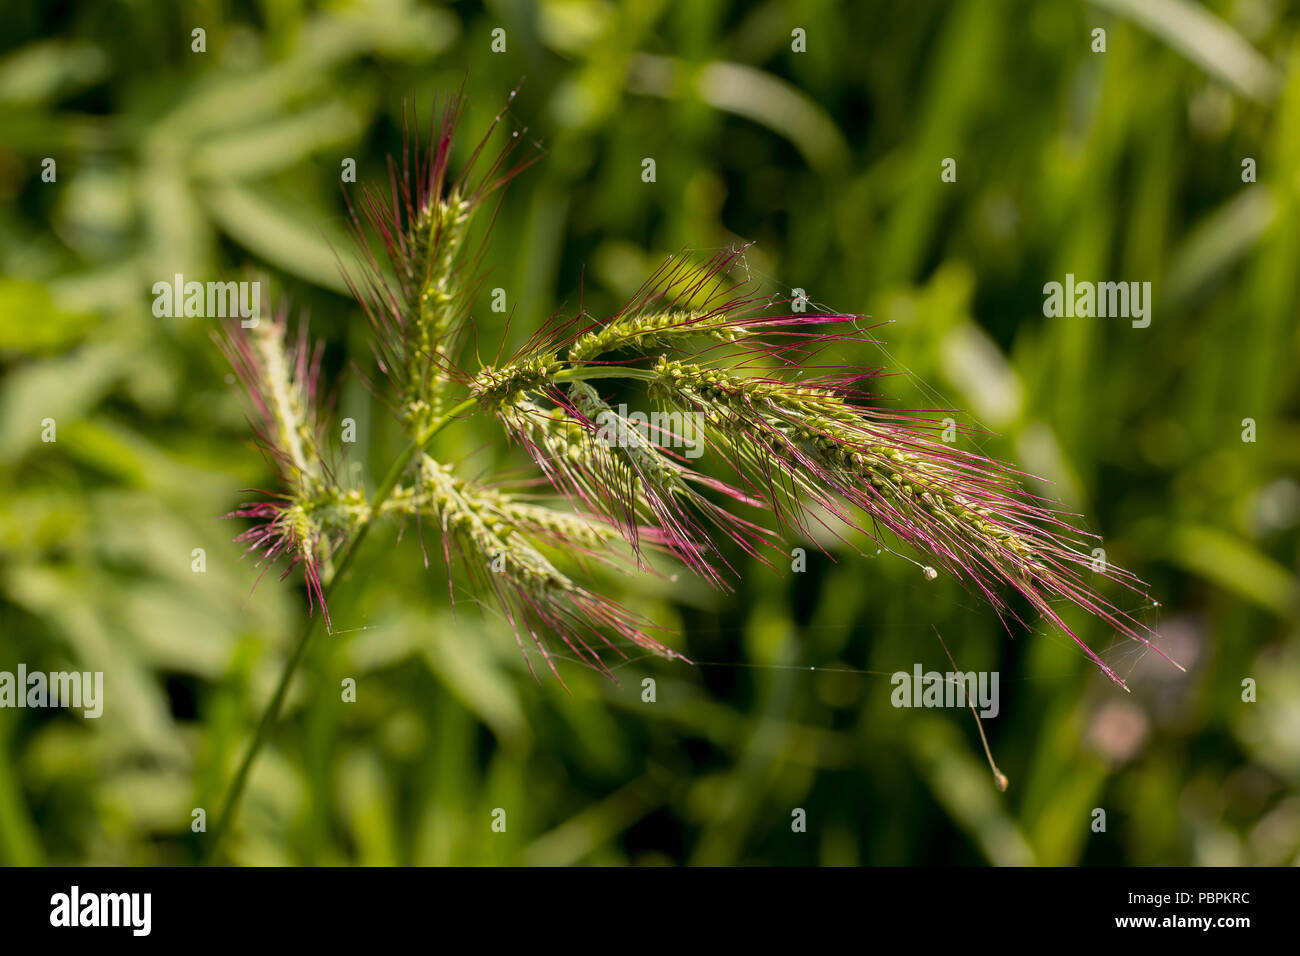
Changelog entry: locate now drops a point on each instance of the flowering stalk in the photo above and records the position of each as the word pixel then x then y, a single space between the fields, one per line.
pixel 360 528
pixel 806 450
pixel 488 533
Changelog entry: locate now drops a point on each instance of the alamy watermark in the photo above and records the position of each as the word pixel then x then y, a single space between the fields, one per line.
pixel 1102 300
pixel 213 300
pixel 74 689
pixel 624 429
pixel 75 908
pixel 953 689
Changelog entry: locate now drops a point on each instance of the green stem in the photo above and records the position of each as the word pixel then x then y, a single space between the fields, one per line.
pixel 584 373
pixel 271 715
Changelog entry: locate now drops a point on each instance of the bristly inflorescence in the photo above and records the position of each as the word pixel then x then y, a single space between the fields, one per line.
pixel 416 304
pixel 306 522
pixel 713 361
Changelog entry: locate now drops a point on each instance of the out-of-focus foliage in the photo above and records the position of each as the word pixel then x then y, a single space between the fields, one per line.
pixel 1122 165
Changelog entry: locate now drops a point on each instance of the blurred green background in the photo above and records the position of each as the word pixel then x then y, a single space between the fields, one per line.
pixel 1122 165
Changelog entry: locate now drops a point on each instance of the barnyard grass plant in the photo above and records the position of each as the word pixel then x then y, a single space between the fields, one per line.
pixel 793 449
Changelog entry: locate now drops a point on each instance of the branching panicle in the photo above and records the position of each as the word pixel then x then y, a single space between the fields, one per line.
pixel 809 449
